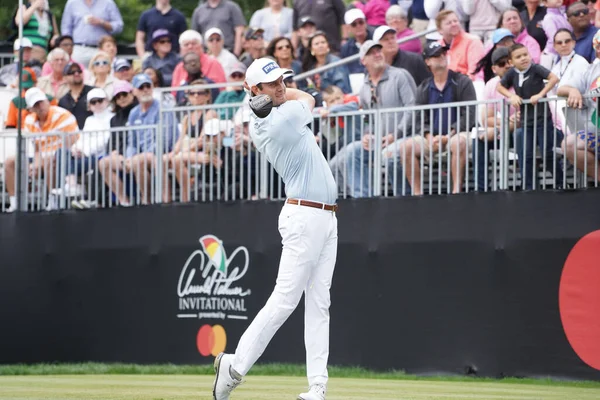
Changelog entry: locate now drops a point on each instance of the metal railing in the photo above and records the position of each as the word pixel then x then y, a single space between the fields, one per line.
pixel 209 155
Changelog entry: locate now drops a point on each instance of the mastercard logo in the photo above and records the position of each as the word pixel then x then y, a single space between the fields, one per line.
pixel 211 340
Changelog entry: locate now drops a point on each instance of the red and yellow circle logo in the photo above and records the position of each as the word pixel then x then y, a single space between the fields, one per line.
pixel 579 299
pixel 211 340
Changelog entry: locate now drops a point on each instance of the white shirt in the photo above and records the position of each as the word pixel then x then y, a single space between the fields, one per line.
pixel 288 143
pixel 93 138
pixel 227 61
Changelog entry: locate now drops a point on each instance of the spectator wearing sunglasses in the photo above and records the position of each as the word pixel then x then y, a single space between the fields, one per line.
pixel 167 98
pixel 276 20
pixel 282 51
pixel 359 33
pixel 233 94
pixel 215 45
pixel 66 43
pixel 163 57
pixel 100 69
pixel 578 17
pixel 55 84
pixel 75 101
pixel 161 16
pixel 491 116
pixel 254 45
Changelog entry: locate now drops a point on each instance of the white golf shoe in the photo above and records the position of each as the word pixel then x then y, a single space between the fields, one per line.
pixel 224 381
pixel 315 392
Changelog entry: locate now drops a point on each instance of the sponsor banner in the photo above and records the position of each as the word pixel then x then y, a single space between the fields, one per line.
pixel 500 284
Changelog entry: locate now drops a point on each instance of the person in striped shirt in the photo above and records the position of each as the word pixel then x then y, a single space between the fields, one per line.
pixel 43 126
pixel 39 25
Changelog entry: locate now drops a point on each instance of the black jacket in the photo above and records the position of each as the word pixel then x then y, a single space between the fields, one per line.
pixel 462 90
pixel 118 139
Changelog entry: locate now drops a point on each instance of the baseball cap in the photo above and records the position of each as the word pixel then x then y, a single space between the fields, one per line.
pixel 140 79
pixel 160 33
pixel 253 31
pixel 238 67
pixel 263 70
pixel 500 34
pixel 214 126
pixel 434 49
pixel 34 95
pixel 211 32
pixel 382 30
pixel 25 42
pixel 120 63
pixel 69 67
pixel 499 54
pixel 306 20
pixel 366 47
pixel 353 14
pixel 96 93
pixel 121 87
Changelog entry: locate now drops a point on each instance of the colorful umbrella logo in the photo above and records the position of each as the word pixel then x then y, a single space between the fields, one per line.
pixel 216 253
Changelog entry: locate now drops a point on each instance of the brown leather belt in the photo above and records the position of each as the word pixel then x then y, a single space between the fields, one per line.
pixel 313 204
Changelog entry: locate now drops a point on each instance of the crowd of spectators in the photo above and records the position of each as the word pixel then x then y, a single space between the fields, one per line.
pixel 473 50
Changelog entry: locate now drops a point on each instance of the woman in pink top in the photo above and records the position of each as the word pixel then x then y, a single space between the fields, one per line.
pixel 374 10
pixel 396 18
pixel 511 20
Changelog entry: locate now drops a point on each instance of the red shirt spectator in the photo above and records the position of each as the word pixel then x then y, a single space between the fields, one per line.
pixel 191 41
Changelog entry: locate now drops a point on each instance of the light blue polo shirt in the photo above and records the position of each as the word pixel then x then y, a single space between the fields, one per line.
pixel 289 145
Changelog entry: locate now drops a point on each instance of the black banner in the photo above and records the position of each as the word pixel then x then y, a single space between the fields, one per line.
pixel 443 284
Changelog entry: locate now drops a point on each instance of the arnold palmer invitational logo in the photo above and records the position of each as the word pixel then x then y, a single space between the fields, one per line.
pixel 208 283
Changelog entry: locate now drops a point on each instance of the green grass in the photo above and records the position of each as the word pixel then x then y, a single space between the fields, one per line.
pixel 153 387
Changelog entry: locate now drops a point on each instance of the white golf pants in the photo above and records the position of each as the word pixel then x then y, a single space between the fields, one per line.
pixel 309 238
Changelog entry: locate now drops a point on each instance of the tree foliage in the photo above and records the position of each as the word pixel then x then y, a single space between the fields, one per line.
pixel 130 10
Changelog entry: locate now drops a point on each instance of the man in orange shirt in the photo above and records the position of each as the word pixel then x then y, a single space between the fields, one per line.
pixel 12 118
pixel 464 50
pixel 40 125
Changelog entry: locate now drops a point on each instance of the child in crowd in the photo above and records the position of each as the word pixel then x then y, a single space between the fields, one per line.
pixel 527 79
pixel 554 20
pixel 339 131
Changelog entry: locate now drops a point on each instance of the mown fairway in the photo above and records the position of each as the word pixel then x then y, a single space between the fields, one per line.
pixel 154 387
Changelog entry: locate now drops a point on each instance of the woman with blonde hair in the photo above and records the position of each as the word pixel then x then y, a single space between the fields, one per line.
pixel 100 69
pixel 190 147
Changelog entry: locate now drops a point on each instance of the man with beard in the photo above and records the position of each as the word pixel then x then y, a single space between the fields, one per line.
pixel 75 100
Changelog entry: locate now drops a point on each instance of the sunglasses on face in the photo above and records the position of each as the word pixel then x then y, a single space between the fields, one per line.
pixel 588 1
pixel 357 23
pixel 579 13
pixel 237 75
pixel 123 69
pixel 501 63
pixel 163 41
pixel 285 46
pixel 93 102
pixel 145 86
pixel 256 37
pixel 121 95
pixel 200 93
pixel 100 63
pixel 75 72
pixel 561 42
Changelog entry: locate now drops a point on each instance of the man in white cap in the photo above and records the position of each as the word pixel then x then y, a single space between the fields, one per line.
pixel 44 119
pixel 357 22
pixel 215 44
pixel 308 227
pixel 10 72
pixel 413 63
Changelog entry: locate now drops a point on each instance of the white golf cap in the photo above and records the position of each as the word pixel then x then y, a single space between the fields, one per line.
pixel 353 14
pixel 25 42
pixel 34 95
pixel 215 126
pixel 211 32
pixel 96 93
pixel 382 30
pixel 263 70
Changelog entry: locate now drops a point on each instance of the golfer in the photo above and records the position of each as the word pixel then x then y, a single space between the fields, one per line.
pixel 308 228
